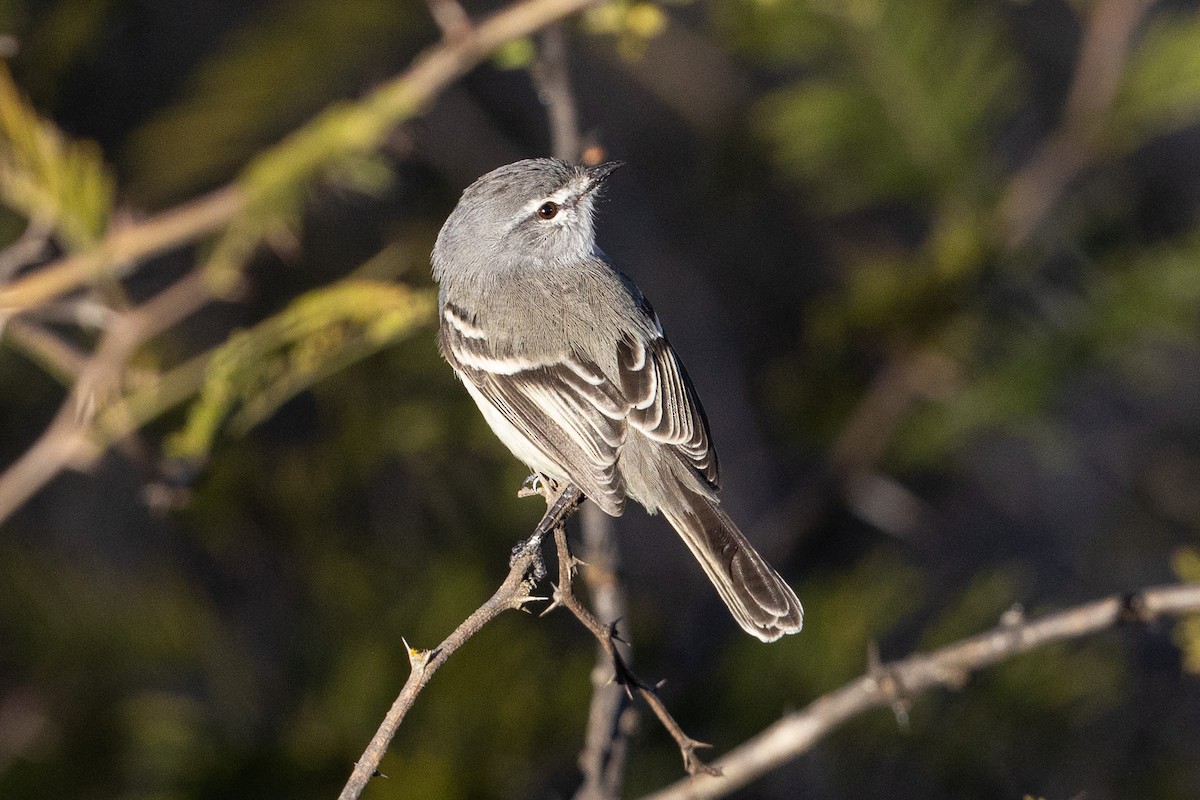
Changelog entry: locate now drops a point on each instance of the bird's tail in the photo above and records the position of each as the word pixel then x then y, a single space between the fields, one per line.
pixel 759 600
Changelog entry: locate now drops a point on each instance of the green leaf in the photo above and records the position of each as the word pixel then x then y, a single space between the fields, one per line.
pixel 324 331
pixel 49 178
pixel 1160 89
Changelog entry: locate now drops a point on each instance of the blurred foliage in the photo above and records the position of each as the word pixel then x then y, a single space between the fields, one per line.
pixel 899 101
pixel 50 180
pixel 631 22
pixel 267 76
pixel 1160 89
pixel 348 493
pixel 900 107
pixel 320 333
pixel 1187 634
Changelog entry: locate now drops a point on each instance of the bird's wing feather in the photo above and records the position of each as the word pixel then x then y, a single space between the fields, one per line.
pixel 663 402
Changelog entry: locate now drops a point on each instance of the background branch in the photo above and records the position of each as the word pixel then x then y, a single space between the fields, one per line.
pixel 296 157
pixel 68 442
pixel 1103 50
pixel 900 681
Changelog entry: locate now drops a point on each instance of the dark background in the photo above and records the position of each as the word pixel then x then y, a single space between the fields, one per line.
pixel 923 417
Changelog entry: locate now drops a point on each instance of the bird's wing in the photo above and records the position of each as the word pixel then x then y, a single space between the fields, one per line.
pixel 564 407
pixel 575 416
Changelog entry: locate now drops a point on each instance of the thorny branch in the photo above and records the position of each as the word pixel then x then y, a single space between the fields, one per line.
pixel 514 592
pixel 606 635
pixel 897 683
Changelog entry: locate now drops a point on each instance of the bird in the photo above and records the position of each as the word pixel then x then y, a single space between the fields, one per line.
pixel 568 363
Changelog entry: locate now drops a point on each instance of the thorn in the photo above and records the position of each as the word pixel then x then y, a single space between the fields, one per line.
pixel 556 601
pixel 417 658
pixel 612 632
pixel 888 684
pixel 900 711
pixel 520 602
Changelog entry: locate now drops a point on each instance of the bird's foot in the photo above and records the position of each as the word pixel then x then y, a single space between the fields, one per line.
pixel 538 484
pixel 531 547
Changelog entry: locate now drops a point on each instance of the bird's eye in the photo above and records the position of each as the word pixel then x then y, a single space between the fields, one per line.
pixel 548 210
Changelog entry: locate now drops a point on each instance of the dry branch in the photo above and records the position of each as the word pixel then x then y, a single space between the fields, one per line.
pixel 950 666
pixel 1103 51
pixel 525 569
pixel 513 593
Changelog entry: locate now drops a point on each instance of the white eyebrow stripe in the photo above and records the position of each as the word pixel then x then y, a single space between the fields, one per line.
pixel 560 197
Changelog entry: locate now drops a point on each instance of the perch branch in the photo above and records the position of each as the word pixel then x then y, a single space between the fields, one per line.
pixel 886 685
pixel 525 568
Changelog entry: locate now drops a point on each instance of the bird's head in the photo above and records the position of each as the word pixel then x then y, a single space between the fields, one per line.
pixel 540 209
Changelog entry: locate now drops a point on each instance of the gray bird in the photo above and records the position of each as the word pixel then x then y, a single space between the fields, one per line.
pixel 569 365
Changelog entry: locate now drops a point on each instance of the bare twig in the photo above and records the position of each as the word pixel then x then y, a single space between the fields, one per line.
pixel 1103 50
pixel 450 18
pixel 611 715
pixel 552 76
pixel 525 568
pixel 28 248
pixel 68 442
pixel 60 358
pixel 564 596
pixel 125 248
pixel 887 684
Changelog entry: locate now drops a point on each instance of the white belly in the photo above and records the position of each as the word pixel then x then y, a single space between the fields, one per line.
pixel 514 440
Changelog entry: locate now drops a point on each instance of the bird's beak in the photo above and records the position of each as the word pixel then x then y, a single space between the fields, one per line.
pixel 597 175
